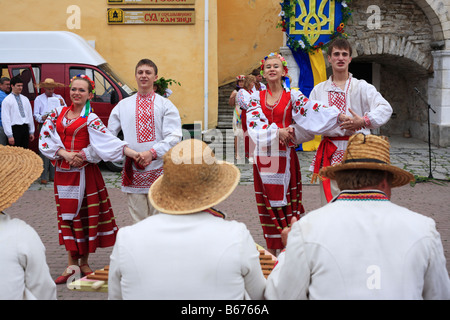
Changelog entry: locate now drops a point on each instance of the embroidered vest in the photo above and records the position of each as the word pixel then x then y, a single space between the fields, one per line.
pixel 281 114
pixel 75 136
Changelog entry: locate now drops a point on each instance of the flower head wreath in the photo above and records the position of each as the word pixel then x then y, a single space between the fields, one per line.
pixel 279 56
pixel 85 77
pixel 283 62
pixel 88 108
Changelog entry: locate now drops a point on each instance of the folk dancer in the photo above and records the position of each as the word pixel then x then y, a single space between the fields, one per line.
pixel 151 125
pixel 353 97
pixel 276 168
pixel 75 139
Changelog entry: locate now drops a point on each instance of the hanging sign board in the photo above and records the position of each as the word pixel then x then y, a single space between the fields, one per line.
pixel 151 16
pixel 151 1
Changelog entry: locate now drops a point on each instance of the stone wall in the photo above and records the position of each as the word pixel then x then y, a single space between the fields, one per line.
pixel 398 36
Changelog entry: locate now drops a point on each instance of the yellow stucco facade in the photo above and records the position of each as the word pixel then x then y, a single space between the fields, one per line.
pixel 240 33
pixel 247 32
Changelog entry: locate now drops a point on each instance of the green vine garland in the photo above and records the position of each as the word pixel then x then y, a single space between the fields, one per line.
pixel 288 12
pixel 162 84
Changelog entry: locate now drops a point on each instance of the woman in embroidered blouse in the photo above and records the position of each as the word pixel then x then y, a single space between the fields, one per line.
pixel 277 119
pixel 75 139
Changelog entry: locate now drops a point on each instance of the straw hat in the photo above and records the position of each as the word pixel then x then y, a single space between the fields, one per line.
pixel 50 83
pixel 20 168
pixel 193 179
pixel 368 152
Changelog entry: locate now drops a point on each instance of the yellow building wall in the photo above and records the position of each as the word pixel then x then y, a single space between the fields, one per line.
pixel 247 33
pixel 177 50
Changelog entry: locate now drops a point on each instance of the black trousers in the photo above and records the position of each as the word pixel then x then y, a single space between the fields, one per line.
pixel 21 135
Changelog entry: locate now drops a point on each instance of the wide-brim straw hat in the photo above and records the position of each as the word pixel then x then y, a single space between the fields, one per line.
pixel 50 83
pixel 193 179
pixel 19 169
pixel 368 152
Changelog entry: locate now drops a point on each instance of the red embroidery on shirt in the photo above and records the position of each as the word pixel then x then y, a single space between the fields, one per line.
pixel 339 99
pixel 144 179
pixel 145 118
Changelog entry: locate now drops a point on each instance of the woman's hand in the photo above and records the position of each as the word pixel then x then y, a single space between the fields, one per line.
pixel 73 158
pixel 286 135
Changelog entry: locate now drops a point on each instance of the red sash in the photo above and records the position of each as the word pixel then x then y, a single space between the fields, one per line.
pixel 324 153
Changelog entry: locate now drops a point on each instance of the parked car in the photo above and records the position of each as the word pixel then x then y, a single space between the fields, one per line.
pixel 60 55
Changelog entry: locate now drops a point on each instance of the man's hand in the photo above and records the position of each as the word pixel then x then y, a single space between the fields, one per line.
pixel 145 158
pixel 285 232
pixel 286 135
pixel 353 124
pixel 11 141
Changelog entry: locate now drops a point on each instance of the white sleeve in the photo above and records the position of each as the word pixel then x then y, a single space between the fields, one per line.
pixel 380 110
pixel 49 140
pixel 102 143
pixel 171 129
pixel 290 278
pixel 254 279
pixel 29 115
pixel 313 116
pixel 6 117
pixel 436 281
pixel 38 108
pixel 258 127
pixel 115 275
pixel 114 124
pixel 38 281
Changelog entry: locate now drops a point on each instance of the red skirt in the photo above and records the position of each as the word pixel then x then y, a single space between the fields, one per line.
pixel 275 219
pixel 94 226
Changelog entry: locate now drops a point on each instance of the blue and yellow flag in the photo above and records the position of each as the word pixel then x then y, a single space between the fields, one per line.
pixel 310 25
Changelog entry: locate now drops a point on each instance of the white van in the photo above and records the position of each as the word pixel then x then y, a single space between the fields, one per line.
pixel 60 55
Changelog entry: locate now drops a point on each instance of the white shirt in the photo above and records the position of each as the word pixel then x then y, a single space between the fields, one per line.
pixel 11 114
pixel 361 249
pixel 178 257
pixel 25 274
pixel 42 106
pixel 358 95
pixel 164 127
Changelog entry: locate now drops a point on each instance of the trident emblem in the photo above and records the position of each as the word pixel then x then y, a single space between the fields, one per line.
pixel 314 20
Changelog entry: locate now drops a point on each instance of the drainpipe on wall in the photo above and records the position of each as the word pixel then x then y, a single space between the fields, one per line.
pixel 206 67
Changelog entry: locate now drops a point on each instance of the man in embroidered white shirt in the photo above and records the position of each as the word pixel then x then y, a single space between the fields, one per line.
pixel 361 245
pixel 353 97
pixel 151 124
pixel 17 116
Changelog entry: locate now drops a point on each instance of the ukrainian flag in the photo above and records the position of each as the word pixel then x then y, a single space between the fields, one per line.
pixel 308 16
pixel 312 72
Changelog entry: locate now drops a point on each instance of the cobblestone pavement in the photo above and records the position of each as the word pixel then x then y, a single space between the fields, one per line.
pixel 37 206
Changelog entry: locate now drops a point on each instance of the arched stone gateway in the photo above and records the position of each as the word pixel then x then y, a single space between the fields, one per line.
pixel 400 46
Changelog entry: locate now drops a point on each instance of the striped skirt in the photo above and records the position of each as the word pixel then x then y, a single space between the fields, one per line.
pixel 94 226
pixel 275 219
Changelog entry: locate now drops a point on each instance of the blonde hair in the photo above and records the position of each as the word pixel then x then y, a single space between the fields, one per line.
pixel 248 81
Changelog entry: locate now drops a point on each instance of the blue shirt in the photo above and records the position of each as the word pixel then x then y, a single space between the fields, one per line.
pixel 2 96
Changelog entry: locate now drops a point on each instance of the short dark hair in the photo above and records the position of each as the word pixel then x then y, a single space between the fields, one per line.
pixel 3 79
pixel 340 43
pixel 146 62
pixel 361 178
pixel 15 80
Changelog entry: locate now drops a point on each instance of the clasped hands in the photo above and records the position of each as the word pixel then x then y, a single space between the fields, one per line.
pixel 75 159
pixel 351 123
pixel 354 123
